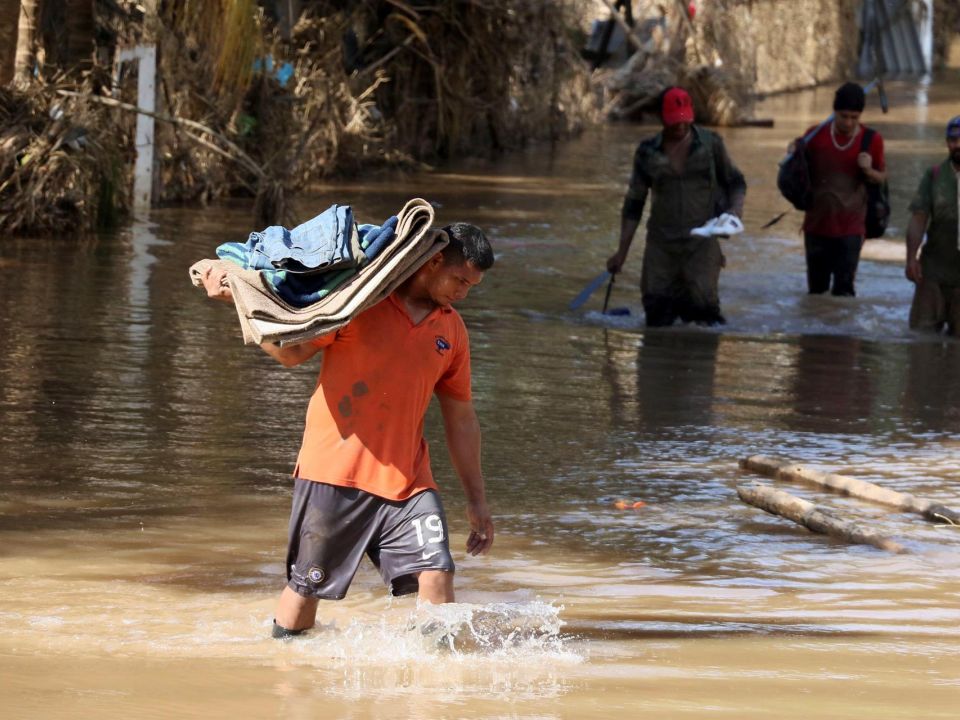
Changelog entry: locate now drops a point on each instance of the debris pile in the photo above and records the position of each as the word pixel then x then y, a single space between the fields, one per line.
pixel 246 107
pixel 668 48
pixel 64 164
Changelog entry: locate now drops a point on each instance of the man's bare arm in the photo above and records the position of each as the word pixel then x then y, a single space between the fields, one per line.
pixel 463 441
pixel 215 283
pixel 290 355
pixel 865 161
pixel 915 230
pixel 628 228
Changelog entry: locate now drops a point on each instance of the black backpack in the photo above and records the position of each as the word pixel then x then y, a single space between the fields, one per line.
pixel 793 177
pixel 878 197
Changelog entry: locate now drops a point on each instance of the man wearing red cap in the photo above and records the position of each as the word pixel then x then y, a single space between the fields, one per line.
pixel 936 272
pixel 693 180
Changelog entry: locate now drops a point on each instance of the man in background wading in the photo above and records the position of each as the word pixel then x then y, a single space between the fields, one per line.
pixel 834 226
pixel 363 483
pixel 693 180
pixel 936 272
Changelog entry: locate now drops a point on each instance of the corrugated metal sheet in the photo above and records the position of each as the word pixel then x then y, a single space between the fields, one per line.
pixel 891 38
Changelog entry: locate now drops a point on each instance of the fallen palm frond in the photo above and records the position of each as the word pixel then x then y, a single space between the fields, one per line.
pixel 222 38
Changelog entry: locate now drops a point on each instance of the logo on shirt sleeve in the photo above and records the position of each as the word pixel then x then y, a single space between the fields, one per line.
pixel 441 344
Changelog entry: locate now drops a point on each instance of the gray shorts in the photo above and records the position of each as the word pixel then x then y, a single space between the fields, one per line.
pixel 332 527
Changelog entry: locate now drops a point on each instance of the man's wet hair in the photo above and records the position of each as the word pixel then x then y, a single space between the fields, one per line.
pixel 850 97
pixel 467 244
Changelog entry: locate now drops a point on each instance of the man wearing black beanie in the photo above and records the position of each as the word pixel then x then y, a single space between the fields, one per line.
pixel 843 156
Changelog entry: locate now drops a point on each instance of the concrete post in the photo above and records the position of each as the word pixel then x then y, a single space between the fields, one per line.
pixel 146 57
pixel 924 13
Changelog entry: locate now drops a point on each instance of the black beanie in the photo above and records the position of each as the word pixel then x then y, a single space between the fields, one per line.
pixel 849 97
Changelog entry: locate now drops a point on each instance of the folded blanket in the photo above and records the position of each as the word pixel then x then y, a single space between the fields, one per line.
pixel 264 251
pixel 391 278
pixel 267 317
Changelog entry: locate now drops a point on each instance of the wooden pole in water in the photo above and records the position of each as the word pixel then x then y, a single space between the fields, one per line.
pixel 781 470
pixel 802 512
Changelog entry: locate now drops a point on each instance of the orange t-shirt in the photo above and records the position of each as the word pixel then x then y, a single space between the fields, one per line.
pixel 365 420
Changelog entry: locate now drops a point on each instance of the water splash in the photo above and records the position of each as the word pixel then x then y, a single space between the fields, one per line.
pixel 499 628
pixel 510 631
pixel 506 651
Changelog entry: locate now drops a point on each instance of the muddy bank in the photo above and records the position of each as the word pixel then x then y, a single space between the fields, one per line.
pixel 778 46
pixel 784 45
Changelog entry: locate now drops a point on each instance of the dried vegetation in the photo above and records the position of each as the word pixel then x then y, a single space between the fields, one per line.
pixel 62 170
pixel 243 110
pixel 669 50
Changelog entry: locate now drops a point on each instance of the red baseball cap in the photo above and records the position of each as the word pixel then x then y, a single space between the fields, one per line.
pixel 677 107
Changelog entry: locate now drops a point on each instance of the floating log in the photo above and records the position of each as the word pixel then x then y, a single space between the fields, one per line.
pixel 782 470
pixel 754 122
pixel 810 516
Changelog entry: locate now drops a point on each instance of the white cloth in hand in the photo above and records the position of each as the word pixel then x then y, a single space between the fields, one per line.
pixel 725 225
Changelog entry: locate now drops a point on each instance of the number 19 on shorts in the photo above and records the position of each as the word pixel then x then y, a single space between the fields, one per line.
pixel 429 531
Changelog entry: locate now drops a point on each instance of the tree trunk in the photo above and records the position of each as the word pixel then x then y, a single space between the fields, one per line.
pixel 26 57
pixel 810 516
pixel 66 31
pixel 781 470
pixel 9 19
pixel 79 31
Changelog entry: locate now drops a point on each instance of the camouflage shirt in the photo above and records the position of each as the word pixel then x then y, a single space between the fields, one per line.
pixel 937 199
pixel 709 184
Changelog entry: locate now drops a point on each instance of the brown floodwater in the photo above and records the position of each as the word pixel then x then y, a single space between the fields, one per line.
pixel 145 458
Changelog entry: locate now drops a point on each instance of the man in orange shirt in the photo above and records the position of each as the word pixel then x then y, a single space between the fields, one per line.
pixel 363 483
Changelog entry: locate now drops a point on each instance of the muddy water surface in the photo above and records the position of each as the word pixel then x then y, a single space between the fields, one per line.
pixel 144 482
